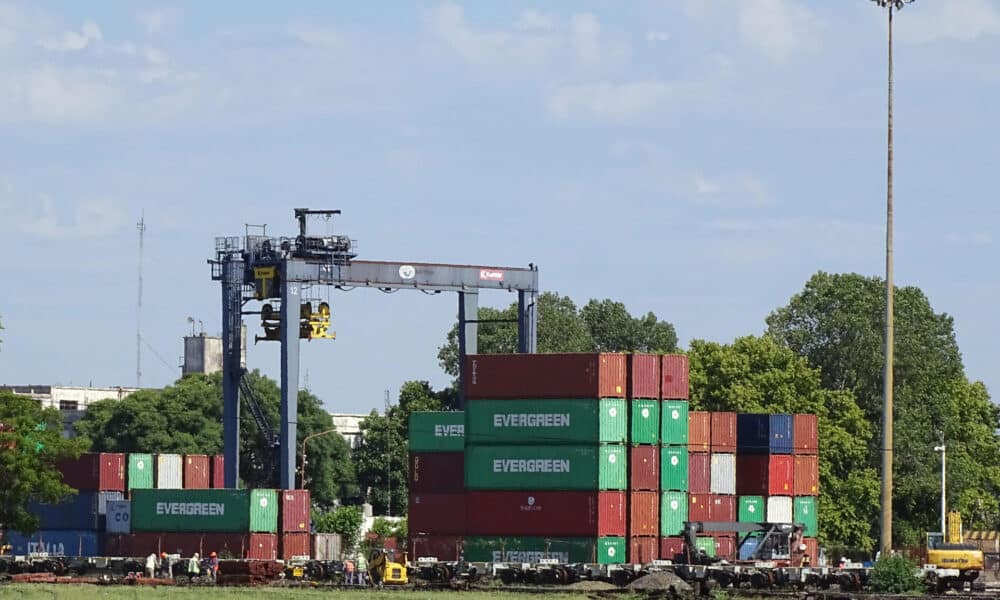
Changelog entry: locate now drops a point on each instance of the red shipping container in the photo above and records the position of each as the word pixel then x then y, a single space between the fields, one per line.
pixel 805 438
pixel 724 432
pixel 95 472
pixel 644 376
pixel 498 376
pixel 437 513
pixel 437 472
pixel 722 508
pixel 699 473
pixel 725 546
pixel 644 514
pixel 673 548
pixel 812 551
pixel 752 474
pixel 140 545
pixel 699 507
pixel 197 472
pixel 542 513
pixel 699 431
pixel 643 550
pixel 295 544
pixel 262 546
pixel 218 471
pixel 674 377
pixel 445 548
pixel 806 478
pixel 644 467
pixel 295 511
pixel 781 474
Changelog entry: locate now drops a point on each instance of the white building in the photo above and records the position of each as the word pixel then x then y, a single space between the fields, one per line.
pixel 69 400
pixel 349 426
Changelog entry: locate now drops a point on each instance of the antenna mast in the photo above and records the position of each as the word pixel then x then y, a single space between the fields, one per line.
pixel 138 319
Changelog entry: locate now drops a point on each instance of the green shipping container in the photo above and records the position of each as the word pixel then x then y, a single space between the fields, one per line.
pixel 674 468
pixel 170 510
pixel 675 422
pixel 805 513
pixel 264 511
pixel 438 431
pixel 546 467
pixel 140 471
pixel 752 509
pixel 673 513
pixel 571 421
pixel 707 544
pixel 605 550
pixel 645 422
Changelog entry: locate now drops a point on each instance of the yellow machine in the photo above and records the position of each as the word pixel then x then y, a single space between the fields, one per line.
pixel 384 570
pixel 954 561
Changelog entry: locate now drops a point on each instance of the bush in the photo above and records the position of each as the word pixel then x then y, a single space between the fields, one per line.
pixel 895 574
pixel 345 520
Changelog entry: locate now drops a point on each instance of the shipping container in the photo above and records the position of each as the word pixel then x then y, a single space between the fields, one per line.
pixel 644 422
pixel 812 551
pixel 753 474
pixel 643 550
pixel 79 511
pixel 326 546
pixel 723 474
pixel 722 508
pixel 437 431
pixel 723 426
pixel 644 514
pixel 141 471
pixel 673 513
pixel 140 545
pixel 197 472
pixel 753 433
pixel 643 376
pixel 57 542
pixel 706 545
pixel 604 550
pixel 119 517
pixel 674 422
pixel 169 472
pixel 296 545
pixel 218 471
pixel 262 546
pixel 546 513
pixel 806 437
pixel 673 549
pixel 781 475
pixel 782 434
pixel 699 507
pixel 191 510
pixel 674 468
pixel 699 431
pixel 752 509
pixel 95 472
pixel 674 377
pixel 644 468
pixel 437 472
pixel 552 421
pixel 805 513
pixel 295 515
pixel 806 481
pixel 779 509
pixel 437 514
pixel 699 473
pixel 264 511
pixel 442 548
pixel 725 546
pixel 546 467
pixel 495 376
pixel 748 548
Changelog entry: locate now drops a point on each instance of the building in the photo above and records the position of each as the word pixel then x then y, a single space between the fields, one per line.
pixel 70 400
pixel 203 353
pixel 349 426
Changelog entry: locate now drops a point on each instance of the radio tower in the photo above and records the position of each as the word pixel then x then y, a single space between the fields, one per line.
pixel 138 318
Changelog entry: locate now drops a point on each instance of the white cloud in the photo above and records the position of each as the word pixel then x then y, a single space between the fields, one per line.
pixel 706 186
pixel 962 20
pixel 153 21
pixel 84 219
pixel 72 41
pixel 591 49
pixel 60 95
pixel 779 29
pixel 657 36
pixel 534 20
pixel 312 35
pixel 613 101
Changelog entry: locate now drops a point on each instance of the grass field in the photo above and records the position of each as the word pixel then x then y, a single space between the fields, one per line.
pixel 90 592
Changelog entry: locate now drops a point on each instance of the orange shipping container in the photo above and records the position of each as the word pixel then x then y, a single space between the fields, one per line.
pixel 643 550
pixel 539 376
pixel 781 475
pixel 674 377
pixel 295 544
pixel 644 514
pixel 699 431
pixel 812 551
pixel 295 511
pixel 644 376
pixel 806 437
pixel 262 546
pixel 698 507
pixel 673 548
pixel 197 475
pixel 699 473
pixel 218 471
pixel 806 481
pixel 723 432
pixel 644 468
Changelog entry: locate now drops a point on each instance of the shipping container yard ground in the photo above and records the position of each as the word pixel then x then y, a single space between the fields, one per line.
pixel 88 592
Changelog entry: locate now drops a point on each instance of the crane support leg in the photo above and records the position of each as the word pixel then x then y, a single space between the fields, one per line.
pixel 291 302
pixel 232 337
pixel 527 322
pixel 468 332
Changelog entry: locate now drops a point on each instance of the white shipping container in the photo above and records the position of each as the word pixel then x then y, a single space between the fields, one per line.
pixel 326 546
pixel 119 517
pixel 169 471
pixel 724 474
pixel 779 509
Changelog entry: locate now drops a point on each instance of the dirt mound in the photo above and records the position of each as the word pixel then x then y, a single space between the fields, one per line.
pixel 660 580
pixel 592 586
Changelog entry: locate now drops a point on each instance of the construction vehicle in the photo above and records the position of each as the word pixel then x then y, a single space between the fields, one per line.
pixel 778 543
pixel 383 569
pixel 951 563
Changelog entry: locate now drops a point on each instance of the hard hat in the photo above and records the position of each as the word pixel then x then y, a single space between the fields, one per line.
pixel 163 554
pixel 212 555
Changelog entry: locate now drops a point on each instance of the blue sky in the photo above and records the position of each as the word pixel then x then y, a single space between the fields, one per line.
pixel 696 159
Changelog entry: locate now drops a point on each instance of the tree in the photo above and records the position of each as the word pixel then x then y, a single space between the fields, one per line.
pixel 31 445
pixel 613 329
pixel 344 520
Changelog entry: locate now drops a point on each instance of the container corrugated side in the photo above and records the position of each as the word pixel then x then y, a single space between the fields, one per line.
pixel 806 436
pixel 753 474
pixel 779 509
pixel 644 468
pixel 644 514
pixel 607 550
pixel 546 467
pixel 752 509
pixel 644 376
pixel 141 471
pixel 295 511
pixel 643 550
pixel 437 431
pixel 197 472
pixel 673 513
pixel 262 546
pixel 218 471
pixel 57 542
pixel 95 472
pixel 547 513
pixel 699 473
pixel 673 549
pixel 169 472
pixel 443 548
pixel 190 510
pixel 812 550
pixel 699 431
pixel 140 545
pixel 698 507
pixel 723 426
pixel 722 509
pixel 725 546
pixel 805 512
pixel 723 474
pixel 781 474
pixel 782 434
pixel 437 472
pixel 806 482
pixel 707 545
pixel 545 376
pixel 437 513
pixel 79 511
pixel 753 433
pixel 296 545
pixel 674 468
pixel 674 377
pixel 644 421
pixel 552 421
pixel 674 422
pixel 264 511
pixel 327 546
pixel 119 516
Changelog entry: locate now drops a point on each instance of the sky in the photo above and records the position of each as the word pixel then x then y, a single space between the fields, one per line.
pixel 700 160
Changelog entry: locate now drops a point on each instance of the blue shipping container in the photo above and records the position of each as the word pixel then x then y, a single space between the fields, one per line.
pixel 748 548
pixel 57 542
pixel 82 511
pixel 782 433
pixel 753 434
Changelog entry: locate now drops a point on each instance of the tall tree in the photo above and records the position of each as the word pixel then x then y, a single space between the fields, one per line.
pixel 614 329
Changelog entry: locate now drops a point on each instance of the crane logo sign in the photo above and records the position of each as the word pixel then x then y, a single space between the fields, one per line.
pixel 490 275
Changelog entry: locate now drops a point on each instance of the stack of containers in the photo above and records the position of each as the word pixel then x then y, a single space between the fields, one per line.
pixel 644 458
pixel 722 500
pixel 806 480
pixel 295 516
pixel 678 446
pixel 436 514
pixel 546 471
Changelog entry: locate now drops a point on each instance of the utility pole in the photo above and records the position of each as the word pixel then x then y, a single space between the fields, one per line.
pixel 141 226
pixel 388 458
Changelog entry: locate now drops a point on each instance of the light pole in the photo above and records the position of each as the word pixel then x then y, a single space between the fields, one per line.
pixel 886 519
pixel 944 505
pixel 302 480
